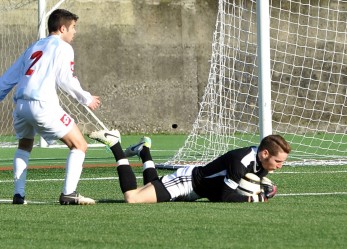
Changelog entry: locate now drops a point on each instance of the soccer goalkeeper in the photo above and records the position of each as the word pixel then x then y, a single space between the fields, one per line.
pixel 218 181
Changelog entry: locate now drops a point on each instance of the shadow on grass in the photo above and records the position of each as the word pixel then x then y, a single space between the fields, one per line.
pixel 110 201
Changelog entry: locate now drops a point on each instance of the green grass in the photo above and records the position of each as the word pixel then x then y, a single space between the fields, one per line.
pixel 308 212
pixel 308 146
pixel 164 146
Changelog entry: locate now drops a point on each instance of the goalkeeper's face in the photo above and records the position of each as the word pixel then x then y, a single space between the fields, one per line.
pixel 270 162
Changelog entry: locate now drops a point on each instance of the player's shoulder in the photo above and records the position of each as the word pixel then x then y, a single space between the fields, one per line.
pixel 244 151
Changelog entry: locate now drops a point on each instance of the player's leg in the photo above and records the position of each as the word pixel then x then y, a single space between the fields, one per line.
pixel 25 134
pixel 142 149
pixel 174 187
pixel 53 123
pixel 144 194
pixel 150 173
pixel 20 166
pixel 74 162
pixel 153 190
pixel 180 184
pixel 127 179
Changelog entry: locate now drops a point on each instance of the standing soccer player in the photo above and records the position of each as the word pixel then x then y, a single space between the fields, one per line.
pixel 46 64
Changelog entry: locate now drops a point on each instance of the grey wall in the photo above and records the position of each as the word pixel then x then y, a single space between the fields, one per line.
pixel 148 60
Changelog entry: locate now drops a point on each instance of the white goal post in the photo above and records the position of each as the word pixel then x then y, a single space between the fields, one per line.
pixel 308 77
pixel 23 22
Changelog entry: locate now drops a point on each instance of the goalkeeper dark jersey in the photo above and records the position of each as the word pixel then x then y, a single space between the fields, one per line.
pixel 219 179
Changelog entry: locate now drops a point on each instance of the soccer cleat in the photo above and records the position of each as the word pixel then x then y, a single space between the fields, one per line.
pixel 18 199
pixel 75 199
pixel 106 137
pixel 136 149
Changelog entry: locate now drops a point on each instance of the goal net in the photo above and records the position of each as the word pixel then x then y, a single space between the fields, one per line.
pixel 18 29
pixel 308 41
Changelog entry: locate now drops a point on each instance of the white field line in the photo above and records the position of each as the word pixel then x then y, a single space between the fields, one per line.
pixel 140 177
pixel 314 172
pixel 312 194
pixel 60 180
pixel 29 202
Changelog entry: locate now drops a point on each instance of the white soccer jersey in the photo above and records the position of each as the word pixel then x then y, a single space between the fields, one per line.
pixel 46 64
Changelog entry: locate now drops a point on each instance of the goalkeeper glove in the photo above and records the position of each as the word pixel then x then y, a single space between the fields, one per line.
pixel 269 188
pixel 259 197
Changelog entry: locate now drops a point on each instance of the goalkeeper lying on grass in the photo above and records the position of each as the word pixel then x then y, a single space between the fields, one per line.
pixel 236 176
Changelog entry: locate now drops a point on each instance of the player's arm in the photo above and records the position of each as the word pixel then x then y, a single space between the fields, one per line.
pixel 70 84
pixel 11 77
pixel 235 171
pixel 247 189
pixel 231 195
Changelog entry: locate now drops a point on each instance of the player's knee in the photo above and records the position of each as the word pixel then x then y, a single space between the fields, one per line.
pixel 84 147
pixel 80 145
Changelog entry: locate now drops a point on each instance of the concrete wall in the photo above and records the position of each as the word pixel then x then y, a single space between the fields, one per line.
pixel 148 60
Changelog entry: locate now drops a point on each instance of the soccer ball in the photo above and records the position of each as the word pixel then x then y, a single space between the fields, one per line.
pixel 249 185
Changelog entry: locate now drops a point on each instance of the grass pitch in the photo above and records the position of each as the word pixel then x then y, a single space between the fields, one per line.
pixel 308 212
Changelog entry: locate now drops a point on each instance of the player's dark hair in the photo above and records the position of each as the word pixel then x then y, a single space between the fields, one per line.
pixel 274 144
pixel 60 17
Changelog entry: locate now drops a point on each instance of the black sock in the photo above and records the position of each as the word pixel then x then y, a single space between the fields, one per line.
pixel 117 151
pixel 127 179
pixel 145 154
pixel 150 175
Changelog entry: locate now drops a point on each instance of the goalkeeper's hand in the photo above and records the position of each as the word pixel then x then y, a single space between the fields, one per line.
pixel 258 197
pixel 269 188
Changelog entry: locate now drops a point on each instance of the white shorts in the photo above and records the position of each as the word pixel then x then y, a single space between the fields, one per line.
pixel 180 185
pixel 31 117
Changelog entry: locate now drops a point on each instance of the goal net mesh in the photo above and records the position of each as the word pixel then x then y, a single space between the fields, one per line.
pixel 308 43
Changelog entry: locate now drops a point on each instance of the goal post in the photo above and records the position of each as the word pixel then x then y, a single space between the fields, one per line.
pixel 264 78
pixel 23 22
pixel 302 91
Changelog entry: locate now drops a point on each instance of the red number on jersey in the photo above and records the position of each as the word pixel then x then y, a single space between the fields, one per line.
pixel 35 56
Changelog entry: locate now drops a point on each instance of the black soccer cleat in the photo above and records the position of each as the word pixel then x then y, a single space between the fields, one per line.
pixel 18 199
